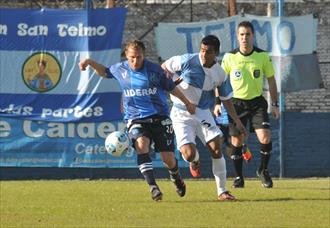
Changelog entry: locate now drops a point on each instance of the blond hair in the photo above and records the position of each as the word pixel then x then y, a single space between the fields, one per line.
pixel 135 44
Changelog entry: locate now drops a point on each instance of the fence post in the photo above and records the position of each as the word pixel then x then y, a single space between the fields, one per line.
pixel 88 4
pixel 280 13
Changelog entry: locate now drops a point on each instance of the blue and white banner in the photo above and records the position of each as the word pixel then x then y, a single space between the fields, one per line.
pixel 26 143
pixel 51 114
pixel 280 36
pixel 39 55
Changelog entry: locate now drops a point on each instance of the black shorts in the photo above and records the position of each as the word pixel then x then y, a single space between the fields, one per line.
pixel 252 112
pixel 225 131
pixel 158 129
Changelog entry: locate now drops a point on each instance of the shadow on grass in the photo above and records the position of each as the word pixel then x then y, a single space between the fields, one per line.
pixel 304 188
pixel 287 199
pixel 282 199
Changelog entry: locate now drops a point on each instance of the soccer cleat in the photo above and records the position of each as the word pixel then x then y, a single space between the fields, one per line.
pixel 238 182
pixel 266 180
pixel 180 187
pixel 156 194
pixel 195 168
pixel 226 196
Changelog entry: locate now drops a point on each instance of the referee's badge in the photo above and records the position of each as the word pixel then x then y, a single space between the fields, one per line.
pixel 256 73
pixel 237 74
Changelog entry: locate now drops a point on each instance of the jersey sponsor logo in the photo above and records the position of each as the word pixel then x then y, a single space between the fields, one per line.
pixel 237 74
pixel 140 92
pixel 256 73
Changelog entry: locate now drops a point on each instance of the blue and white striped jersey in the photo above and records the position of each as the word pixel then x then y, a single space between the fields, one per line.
pixel 143 90
pixel 198 82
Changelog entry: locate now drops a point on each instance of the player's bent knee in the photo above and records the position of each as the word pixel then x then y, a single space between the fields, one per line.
pixel 189 152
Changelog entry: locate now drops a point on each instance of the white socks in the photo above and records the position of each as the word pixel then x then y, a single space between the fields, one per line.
pixel 220 173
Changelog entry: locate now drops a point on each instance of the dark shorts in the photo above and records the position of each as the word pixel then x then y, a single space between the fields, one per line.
pixel 158 129
pixel 252 112
pixel 225 131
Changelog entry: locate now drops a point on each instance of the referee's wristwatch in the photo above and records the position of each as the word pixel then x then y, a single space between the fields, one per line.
pixel 275 104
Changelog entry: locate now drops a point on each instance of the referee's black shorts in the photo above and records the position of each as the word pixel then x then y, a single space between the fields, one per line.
pixel 252 112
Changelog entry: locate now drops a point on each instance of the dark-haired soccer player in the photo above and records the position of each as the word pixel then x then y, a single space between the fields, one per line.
pixel 247 66
pixel 201 74
pixel 144 87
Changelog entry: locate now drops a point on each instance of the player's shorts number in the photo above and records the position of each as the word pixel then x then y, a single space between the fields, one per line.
pixel 206 124
pixel 169 129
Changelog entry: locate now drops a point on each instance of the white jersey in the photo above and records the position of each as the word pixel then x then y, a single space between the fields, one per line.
pixel 198 82
pixel 198 86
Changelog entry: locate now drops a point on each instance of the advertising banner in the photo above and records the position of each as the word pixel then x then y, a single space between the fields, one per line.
pixel 291 41
pixel 51 113
pixel 40 51
pixel 28 143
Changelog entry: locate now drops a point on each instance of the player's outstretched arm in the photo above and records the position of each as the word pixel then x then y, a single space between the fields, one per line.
pixel 99 68
pixel 190 106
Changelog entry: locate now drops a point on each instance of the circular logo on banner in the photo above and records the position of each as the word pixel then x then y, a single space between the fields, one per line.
pixel 41 72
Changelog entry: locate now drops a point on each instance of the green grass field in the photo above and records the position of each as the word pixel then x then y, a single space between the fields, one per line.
pixel 127 203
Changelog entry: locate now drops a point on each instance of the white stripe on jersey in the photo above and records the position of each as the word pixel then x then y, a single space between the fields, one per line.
pixel 190 65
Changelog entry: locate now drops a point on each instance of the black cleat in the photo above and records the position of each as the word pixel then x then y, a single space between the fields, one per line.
pixel 266 180
pixel 238 182
pixel 156 194
pixel 180 187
